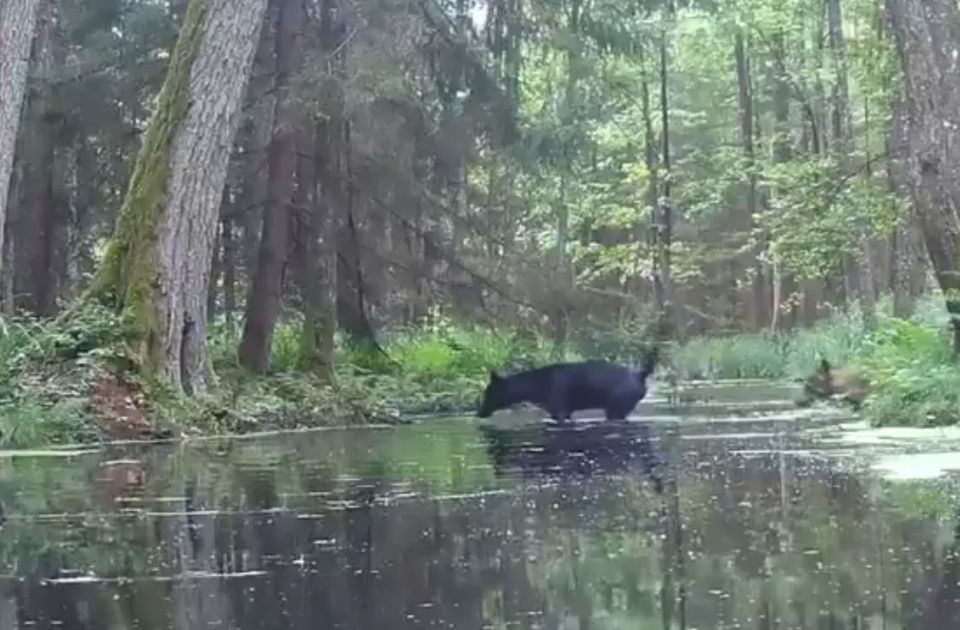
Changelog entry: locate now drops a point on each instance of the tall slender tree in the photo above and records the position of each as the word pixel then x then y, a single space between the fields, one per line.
pixel 266 300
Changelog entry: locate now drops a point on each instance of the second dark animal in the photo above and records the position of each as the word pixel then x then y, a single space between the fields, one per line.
pixel 565 388
pixel 845 384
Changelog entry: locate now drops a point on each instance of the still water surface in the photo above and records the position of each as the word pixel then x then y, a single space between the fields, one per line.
pixel 735 513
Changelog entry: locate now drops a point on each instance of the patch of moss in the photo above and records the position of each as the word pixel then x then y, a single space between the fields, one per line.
pixel 129 277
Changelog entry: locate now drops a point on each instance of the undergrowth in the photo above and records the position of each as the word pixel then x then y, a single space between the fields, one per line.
pixel 915 380
pixel 47 375
pixel 48 371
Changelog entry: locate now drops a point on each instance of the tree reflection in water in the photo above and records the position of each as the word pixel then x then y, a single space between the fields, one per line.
pixel 459 525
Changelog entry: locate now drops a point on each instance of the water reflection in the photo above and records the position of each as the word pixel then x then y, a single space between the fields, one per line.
pixel 459 525
pixel 543 451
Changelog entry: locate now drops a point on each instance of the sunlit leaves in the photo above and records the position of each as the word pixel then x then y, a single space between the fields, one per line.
pixel 818 216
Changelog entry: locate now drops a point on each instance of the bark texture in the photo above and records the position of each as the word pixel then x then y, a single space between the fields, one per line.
pixel 254 140
pixel 156 266
pixel 17 21
pixel 316 230
pixel 928 151
pixel 41 219
pixel 266 299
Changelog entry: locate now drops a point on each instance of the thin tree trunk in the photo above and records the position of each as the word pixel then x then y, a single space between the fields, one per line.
pixel 9 244
pixel 821 93
pixel 156 267
pixel 213 286
pixel 17 21
pixel 64 223
pixel 560 314
pixel 352 308
pixel 266 291
pixel 663 281
pixel 650 159
pixel 786 284
pixel 840 110
pixel 745 99
pixel 318 260
pixel 229 247
pixel 257 132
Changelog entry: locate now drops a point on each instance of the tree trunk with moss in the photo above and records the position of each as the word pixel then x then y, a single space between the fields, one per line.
pixel 17 20
pixel 156 267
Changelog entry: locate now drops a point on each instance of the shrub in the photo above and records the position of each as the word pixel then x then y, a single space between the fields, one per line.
pixel 915 379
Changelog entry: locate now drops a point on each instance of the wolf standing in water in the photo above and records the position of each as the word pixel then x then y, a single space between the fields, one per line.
pixel 844 384
pixel 565 388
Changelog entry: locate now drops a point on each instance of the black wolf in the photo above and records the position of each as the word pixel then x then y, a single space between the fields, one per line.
pixel 564 388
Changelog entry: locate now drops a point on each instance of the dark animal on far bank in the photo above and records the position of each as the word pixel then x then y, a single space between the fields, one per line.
pixel 845 384
pixel 565 388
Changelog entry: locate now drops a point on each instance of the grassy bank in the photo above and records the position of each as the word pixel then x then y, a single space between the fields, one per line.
pixel 916 381
pixel 62 382
pixel 73 381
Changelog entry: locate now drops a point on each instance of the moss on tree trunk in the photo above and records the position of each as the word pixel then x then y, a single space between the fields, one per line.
pixel 129 277
pixel 156 266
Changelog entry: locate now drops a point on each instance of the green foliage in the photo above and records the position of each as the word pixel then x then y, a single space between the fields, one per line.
pixel 915 380
pixel 285 400
pixel 764 355
pixel 627 340
pixel 820 216
pixel 30 424
pixel 47 372
pixel 442 367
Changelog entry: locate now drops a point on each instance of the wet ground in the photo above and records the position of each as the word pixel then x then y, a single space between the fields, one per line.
pixel 733 511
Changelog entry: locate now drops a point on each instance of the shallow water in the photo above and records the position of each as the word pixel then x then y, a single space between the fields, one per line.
pixel 735 511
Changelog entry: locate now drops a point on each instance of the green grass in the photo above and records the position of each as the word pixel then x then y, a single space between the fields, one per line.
pixel 443 367
pixel 45 378
pixel 838 339
pixel 47 371
pixel 915 379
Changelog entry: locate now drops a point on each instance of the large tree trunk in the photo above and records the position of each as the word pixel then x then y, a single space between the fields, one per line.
pixel 156 267
pixel 266 291
pixel 17 20
pixel 929 154
pixel 908 260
